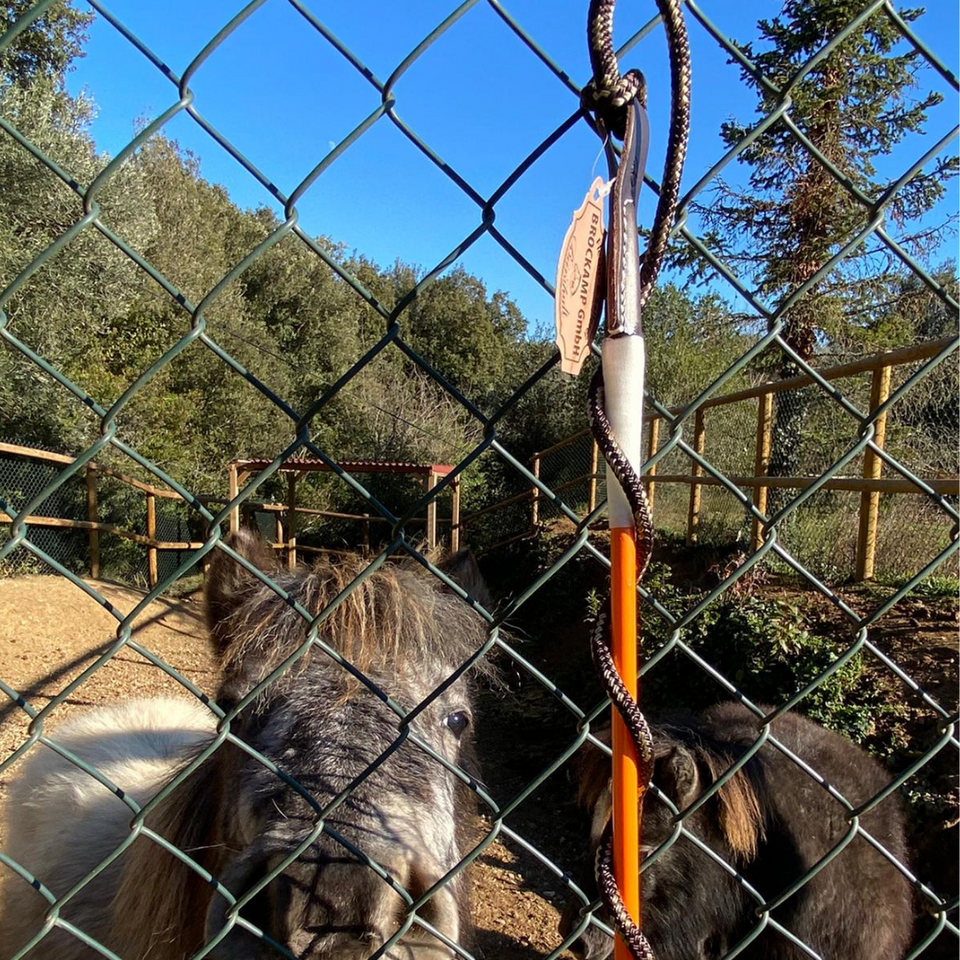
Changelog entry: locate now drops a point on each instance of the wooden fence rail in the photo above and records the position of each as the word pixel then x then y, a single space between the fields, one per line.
pixel 871 484
pixel 286 535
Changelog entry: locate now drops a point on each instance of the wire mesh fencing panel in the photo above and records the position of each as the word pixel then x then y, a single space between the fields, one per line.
pixel 571 470
pixel 411 715
pixel 20 481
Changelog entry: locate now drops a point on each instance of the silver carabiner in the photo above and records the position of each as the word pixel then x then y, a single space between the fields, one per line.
pixel 623 247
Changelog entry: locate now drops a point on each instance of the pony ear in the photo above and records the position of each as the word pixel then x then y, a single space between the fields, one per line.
pixel 677 775
pixel 462 567
pixel 740 814
pixel 228 583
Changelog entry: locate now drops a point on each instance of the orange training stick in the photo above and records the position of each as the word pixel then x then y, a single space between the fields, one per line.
pixel 626 782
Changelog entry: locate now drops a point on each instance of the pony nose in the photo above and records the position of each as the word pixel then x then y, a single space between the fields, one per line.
pixel 589 946
pixel 340 944
pixel 578 948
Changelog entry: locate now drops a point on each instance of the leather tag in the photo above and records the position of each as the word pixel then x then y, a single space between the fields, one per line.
pixel 580 272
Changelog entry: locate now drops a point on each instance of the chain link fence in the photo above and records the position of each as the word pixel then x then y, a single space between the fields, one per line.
pixel 21 480
pixel 544 722
pixel 824 539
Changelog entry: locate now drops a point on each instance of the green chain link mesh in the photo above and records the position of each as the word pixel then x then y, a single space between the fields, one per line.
pixel 61 488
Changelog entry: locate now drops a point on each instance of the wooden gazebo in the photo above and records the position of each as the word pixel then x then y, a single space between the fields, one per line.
pixel 296 467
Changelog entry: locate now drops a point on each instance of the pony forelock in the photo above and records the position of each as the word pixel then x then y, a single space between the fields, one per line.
pixel 398 615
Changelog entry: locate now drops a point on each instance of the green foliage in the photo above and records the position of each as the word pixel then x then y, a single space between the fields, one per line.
pixel 47 47
pixel 800 206
pixel 20 563
pixel 854 106
pixel 937 586
pixel 763 645
pixel 758 638
pixel 760 641
pixel 288 319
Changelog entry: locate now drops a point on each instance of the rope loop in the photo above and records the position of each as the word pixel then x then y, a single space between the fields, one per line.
pixel 608 100
pixel 608 92
pixel 608 95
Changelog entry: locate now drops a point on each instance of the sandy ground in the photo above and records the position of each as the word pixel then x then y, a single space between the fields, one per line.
pixel 50 632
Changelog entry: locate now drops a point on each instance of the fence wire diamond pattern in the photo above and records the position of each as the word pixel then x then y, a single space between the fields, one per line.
pixel 676 427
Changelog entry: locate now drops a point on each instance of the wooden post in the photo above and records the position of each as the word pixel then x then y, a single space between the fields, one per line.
pixel 152 570
pixel 535 500
pixel 234 489
pixel 365 536
pixel 430 483
pixel 693 518
pixel 761 462
pixel 872 468
pixel 93 536
pixel 205 567
pixel 653 443
pixel 292 520
pixel 455 516
pixel 278 528
pixel 594 462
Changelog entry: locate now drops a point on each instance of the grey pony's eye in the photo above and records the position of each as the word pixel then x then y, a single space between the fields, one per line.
pixel 457 722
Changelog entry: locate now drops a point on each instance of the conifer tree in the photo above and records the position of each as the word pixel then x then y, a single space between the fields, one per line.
pixel 854 105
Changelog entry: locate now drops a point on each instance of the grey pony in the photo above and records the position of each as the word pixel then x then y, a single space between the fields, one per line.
pixel 236 818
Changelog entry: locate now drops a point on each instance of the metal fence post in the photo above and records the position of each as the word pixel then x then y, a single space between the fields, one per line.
pixel 292 520
pixel 761 462
pixel 693 517
pixel 278 529
pixel 455 516
pixel 234 489
pixel 152 567
pixel 872 468
pixel 205 563
pixel 594 462
pixel 93 536
pixel 429 483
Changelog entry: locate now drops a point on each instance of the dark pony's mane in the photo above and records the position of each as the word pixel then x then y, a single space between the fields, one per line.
pixel 399 617
pixel 739 814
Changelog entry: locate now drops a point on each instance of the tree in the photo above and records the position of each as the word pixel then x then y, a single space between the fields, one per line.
pixel 47 47
pixel 794 214
pixel 466 334
pixel 288 319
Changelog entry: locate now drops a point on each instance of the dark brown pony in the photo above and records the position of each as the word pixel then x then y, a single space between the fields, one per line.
pixel 771 822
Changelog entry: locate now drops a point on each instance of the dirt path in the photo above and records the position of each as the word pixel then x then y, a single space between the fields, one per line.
pixel 50 632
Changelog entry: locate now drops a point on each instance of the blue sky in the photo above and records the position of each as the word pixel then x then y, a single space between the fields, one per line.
pixel 284 96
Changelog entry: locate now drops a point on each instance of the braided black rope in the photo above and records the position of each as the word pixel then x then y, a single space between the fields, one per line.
pixel 613 685
pixel 608 95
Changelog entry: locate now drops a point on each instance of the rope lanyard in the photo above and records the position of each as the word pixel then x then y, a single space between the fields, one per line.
pixel 615 413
